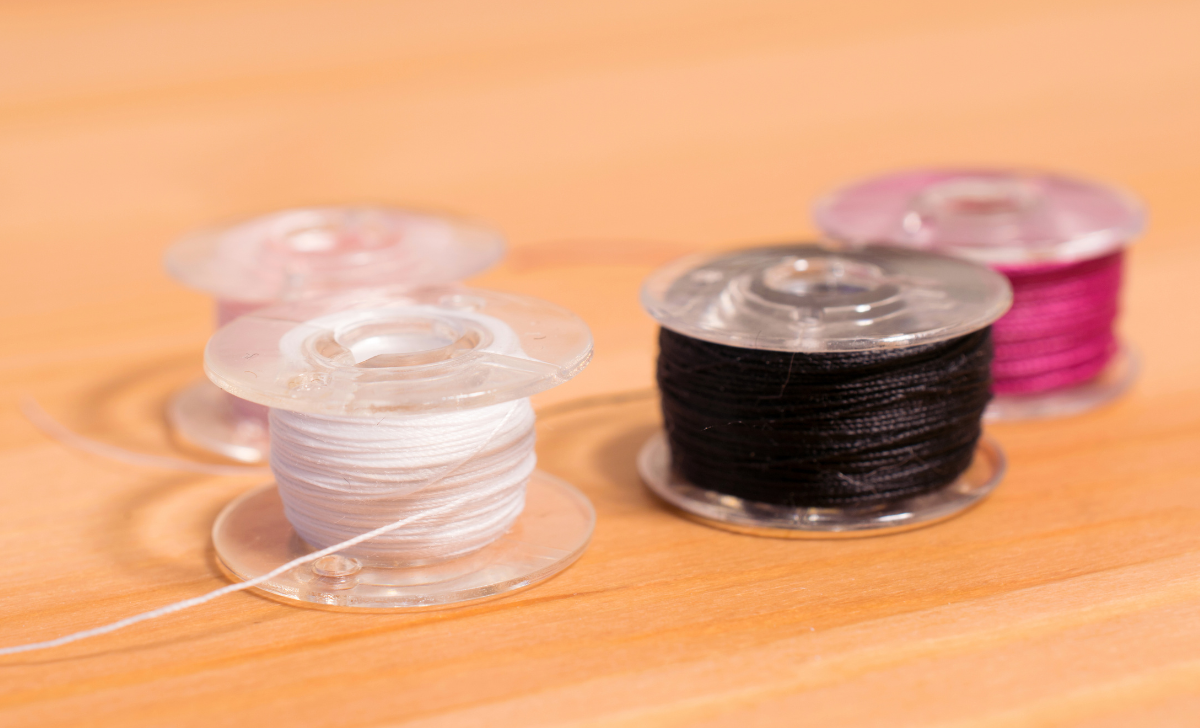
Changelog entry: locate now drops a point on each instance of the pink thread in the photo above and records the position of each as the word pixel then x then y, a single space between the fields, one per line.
pixel 1059 332
pixel 228 310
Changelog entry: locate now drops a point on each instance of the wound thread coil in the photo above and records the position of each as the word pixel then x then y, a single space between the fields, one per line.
pixel 342 476
pixel 1060 330
pixel 812 391
pixel 800 429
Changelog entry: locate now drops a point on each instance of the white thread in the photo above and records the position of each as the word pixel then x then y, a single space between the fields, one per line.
pixel 340 476
pixel 52 427
pixel 462 475
pixel 514 411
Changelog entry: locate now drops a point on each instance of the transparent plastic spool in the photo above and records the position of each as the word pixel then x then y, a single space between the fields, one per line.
pixel 205 417
pixel 370 353
pixel 1113 381
pixel 810 298
pixel 295 253
pixel 252 537
pixel 767 519
pixel 1006 219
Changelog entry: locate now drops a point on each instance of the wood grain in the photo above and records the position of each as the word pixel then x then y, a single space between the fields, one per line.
pixel 606 138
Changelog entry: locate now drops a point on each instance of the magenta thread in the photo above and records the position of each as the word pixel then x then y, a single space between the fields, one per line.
pixel 1058 239
pixel 1060 330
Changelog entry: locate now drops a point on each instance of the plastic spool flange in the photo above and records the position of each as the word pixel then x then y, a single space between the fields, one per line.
pixel 1006 219
pixel 295 253
pixel 370 353
pixel 810 298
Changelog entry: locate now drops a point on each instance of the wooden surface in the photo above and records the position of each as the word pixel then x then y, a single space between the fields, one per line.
pixel 606 138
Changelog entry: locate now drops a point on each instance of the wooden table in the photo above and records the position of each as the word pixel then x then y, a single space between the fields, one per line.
pixel 606 138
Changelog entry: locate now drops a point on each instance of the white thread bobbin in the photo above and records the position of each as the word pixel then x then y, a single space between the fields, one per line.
pixel 392 405
pixel 290 254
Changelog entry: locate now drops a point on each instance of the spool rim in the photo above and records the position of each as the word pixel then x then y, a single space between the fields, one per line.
pixel 200 414
pixel 1006 218
pixel 370 352
pixel 814 298
pixel 252 536
pixel 301 251
pixel 761 519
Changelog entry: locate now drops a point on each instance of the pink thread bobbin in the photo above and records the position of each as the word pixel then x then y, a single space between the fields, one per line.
pixel 1060 241
pixel 292 254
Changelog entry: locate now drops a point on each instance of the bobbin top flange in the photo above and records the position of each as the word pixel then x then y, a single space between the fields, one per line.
pixel 305 251
pixel 1005 218
pixel 812 298
pixel 361 353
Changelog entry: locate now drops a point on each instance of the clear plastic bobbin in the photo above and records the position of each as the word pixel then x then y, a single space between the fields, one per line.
pixel 400 351
pixel 1008 219
pixel 301 252
pixel 812 299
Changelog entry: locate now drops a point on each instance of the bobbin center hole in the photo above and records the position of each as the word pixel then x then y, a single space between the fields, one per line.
pixel 405 341
pixel 321 233
pixel 972 198
pixel 821 277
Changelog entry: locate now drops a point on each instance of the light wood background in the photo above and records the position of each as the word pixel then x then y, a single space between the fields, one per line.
pixel 606 138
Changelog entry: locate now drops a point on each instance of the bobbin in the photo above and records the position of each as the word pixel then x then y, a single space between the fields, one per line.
pixel 809 298
pixel 300 252
pixel 397 351
pixel 1009 220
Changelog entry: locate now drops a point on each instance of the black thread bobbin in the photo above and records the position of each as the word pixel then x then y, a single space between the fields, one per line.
pixel 816 392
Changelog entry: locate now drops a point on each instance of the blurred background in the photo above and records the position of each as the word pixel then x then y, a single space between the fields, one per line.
pixel 600 134
pixel 604 138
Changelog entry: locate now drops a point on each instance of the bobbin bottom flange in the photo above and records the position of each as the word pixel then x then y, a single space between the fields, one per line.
pixel 252 537
pixel 1108 385
pixel 766 519
pixel 202 415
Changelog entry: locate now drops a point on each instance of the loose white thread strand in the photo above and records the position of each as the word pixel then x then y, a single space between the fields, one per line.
pixel 52 427
pixel 446 507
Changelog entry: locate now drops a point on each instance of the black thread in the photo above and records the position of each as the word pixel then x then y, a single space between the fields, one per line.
pixel 823 429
